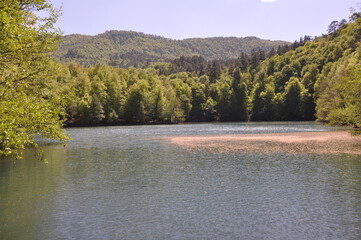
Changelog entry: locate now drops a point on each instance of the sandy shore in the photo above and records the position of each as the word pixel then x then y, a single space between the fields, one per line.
pixel 298 142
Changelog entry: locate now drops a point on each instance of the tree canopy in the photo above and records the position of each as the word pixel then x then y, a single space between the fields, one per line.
pixel 27 106
pixel 134 49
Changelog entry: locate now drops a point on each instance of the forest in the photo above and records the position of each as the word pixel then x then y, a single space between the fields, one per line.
pixel 311 80
pixel 314 78
pixel 133 49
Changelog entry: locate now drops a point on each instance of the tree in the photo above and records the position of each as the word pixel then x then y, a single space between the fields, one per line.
pixel 209 108
pixel 310 77
pixel 257 113
pixel 97 110
pixel 355 15
pixel 281 78
pixel 222 93
pixel 198 101
pixel 238 102
pixel 293 100
pixel 25 66
pixel 339 91
pixel 157 101
pixel 183 97
pixel 134 109
pixel 214 71
pixel 332 28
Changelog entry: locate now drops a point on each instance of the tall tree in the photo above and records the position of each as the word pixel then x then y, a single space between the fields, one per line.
pixel 25 67
pixel 134 109
pixel 238 104
pixel 293 100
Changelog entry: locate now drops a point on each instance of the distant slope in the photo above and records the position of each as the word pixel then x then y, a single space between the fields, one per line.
pixel 126 48
pixel 321 78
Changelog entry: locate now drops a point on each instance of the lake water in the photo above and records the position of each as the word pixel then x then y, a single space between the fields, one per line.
pixel 130 183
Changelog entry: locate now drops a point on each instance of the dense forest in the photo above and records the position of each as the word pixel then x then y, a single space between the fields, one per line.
pixel 126 48
pixel 310 79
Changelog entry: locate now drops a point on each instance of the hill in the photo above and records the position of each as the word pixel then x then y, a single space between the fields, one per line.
pixel 127 48
pixel 319 79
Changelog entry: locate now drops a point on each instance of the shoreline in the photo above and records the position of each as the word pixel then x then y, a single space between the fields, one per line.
pixel 324 142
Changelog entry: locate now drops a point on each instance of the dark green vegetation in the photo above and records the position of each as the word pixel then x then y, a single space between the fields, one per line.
pixel 313 78
pixel 125 48
pixel 318 78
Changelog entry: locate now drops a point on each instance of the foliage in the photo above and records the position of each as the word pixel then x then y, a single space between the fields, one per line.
pixel 339 93
pixel 28 104
pixel 282 87
pixel 126 48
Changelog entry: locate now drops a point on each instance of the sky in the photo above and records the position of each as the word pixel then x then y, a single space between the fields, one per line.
pixel 179 19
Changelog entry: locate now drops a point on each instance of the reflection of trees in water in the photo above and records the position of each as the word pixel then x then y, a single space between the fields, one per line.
pixel 28 191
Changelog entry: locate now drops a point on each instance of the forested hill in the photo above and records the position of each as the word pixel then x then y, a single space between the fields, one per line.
pixel 319 79
pixel 126 48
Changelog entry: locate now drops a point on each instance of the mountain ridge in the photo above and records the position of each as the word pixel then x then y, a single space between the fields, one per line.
pixel 130 48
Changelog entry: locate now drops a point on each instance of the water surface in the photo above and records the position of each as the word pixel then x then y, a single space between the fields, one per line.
pixel 129 183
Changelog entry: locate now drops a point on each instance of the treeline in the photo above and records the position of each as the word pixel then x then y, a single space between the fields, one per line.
pixel 108 95
pixel 312 80
pixel 201 66
pixel 132 49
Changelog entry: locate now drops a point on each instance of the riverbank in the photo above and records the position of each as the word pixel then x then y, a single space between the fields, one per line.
pixel 333 142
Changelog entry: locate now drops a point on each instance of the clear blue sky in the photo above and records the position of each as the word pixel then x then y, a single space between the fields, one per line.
pixel 179 19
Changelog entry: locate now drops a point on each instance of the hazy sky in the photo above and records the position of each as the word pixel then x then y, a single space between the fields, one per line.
pixel 179 19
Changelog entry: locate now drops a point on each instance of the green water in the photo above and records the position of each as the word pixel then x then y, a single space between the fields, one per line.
pixel 130 183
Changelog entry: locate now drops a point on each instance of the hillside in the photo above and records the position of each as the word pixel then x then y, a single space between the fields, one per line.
pixel 320 79
pixel 126 48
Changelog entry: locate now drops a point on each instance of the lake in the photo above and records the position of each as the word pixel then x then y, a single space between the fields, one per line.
pixel 130 182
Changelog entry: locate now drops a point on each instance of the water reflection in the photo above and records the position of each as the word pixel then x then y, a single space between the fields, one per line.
pixel 27 189
pixel 126 183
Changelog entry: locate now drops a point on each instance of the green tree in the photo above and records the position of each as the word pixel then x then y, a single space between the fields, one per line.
pixel 25 67
pixel 310 75
pixel 293 100
pixel 238 104
pixel 267 97
pixel 134 109
pixel 338 93
pixel 263 107
pixel 223 94
pixel 115 95
pixel 97 110
pixel 198 101
pixel 173 111
pixel 209 108
pixel 184 96
pixel 157 103
pixel 286 73
pixel 332 28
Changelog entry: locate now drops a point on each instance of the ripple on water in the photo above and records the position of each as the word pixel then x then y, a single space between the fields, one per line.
pixel 139 183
